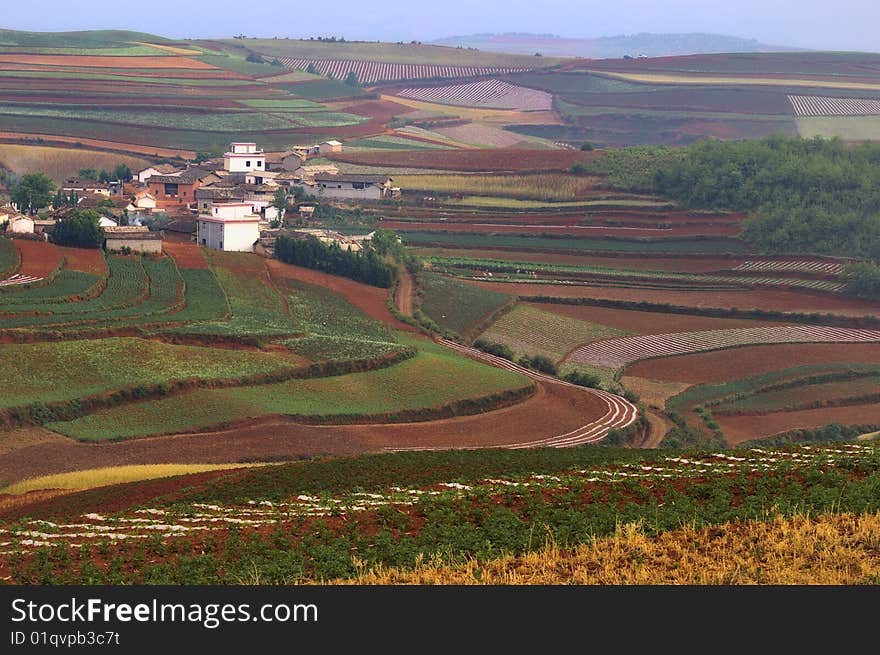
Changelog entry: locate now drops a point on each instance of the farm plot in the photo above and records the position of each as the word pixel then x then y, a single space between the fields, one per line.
pixel 826 106
pixel 615 353
pixel 538 186
pixel 433 378
pixel 528 330
pixel 443 506
pixel 9 257
pixel 472 160
pixel 456 306
pixel 854 390
pixel 370 72
pixel 58 371
pixel 68 284
pixel 38 259
pixel 812 267
pixel 493 93
pixel 61 163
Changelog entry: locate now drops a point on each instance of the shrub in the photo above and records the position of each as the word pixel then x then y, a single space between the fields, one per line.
pixel 583 379
pixel 543 364
pixel 493 348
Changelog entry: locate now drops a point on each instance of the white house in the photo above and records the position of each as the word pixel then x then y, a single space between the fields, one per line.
pixel 19 224
pixel 363 187
pixel 142 200
pixel 159 169
pixel 107 222
pixel 330 146
pixel 244 158
pixel 230 226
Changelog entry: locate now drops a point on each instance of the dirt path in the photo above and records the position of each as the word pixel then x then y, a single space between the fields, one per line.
pixel 404 296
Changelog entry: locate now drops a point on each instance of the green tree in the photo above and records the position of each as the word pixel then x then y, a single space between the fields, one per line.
pixel 352 79
pixel 87 174
pixel 123 172
pixel 33 192
pixel 80 230
pixel 311 69
pixel 863 280
pixel 279 202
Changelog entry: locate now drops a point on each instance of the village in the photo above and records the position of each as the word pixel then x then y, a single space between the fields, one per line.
pixel 239 202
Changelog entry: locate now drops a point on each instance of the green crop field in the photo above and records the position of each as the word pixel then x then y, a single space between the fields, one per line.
pixel 531 331
pixel 433 378
pixel 335 329
pixel 516 242
pixel 862 385
pixel 543 187
pixel 8 257
pixel 455 306
pixel 55 371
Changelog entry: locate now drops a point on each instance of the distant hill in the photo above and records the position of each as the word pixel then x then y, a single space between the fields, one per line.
pixel 83 39
pixel 650 45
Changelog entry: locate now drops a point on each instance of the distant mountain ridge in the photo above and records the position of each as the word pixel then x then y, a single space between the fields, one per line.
pixel 647 44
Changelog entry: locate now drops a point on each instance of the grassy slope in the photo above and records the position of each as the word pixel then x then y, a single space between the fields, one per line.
pixel 456 306
pixel 433 378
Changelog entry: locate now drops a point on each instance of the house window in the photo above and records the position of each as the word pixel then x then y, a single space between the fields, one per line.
pixel 259 164
pixel 204 242
pixel 358 185
pixel 248 163
pixel 221 245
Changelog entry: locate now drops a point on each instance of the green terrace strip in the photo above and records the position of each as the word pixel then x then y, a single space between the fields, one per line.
pixel 323 520
pixel 57 371
pixel 563 244
pixel 64 286
pixel 335 329
pixel 434 378
pixel 849 389
pixel 258 309
pixel 457 307
pixel 526 271
pixel 9 258
pixel 204 299
pixel 531 331
pixel 739 392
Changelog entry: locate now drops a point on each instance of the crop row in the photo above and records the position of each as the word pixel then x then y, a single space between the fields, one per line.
pixel 369 72
pixel 825 106
pixel 795 266
pixel 493 93
pixel 204 518
pixel 615 353
pixel 18 278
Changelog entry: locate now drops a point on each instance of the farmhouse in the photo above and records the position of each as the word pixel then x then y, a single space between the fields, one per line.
pixel 82 187
pixel 133 237
pixel 180 189
pixel 230 226
pixel 330 146
pixel 354 241
pixel 364 187
pixel 307 173
pixel 244 158
pixel 143 200
pixel 106 222
pixel 180 229
pixel 259 196
pixel 17 224
pixel 288 160
pixel 159 169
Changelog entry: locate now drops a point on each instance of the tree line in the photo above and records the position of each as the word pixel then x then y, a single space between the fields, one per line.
pixel 364 266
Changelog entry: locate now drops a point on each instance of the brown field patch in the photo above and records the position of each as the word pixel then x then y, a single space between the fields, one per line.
pixel 735 363
pixel 647 322
pixel 186 254
pixel 553 410
pixel 653 392
pixel 38 258
pixel 370 300
pixel 97 61
pixel 776 299
pixel 176 102
pixel 98 143
pixel 596 231
pixel 87 260
pixel 471 160
pixel 61 163
pixel 743 427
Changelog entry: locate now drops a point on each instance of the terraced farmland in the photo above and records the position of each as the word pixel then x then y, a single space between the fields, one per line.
pixel 370 72
pixel 494 93
pixel 616 353
pixel 827 106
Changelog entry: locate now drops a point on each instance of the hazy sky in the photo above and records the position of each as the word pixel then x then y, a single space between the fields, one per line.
pixel 831 24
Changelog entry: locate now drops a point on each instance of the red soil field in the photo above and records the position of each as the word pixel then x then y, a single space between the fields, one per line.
pixel 56 85
pixel 87 260
pixel 49 139
pixel 370 300
pixel 647 263
pixel 381 110
pixel 107 62
pixel 744 427
pixel 646 322
pixel 776 299
pixel 641 218
pixel 97 101
pixel 38 258
pixel 553 410
pixel 472 160
pixel 735 363
pixel 186 254
pixel 573 230
pixel 218 74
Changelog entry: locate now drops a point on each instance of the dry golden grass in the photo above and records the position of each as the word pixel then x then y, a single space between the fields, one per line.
pixel 100 477
pixel 62 163
pixel 498 117
pixel 701 78
pixel 170 49
pixel 829 549
pixel 547 186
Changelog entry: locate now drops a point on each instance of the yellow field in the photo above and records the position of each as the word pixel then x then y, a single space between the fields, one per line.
pixel 62 163
pixel 848 128
pixel 100 477
pixel 490 116
pixel 830 549
pixel 170 49
pixel 697 78
pixel 549 186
